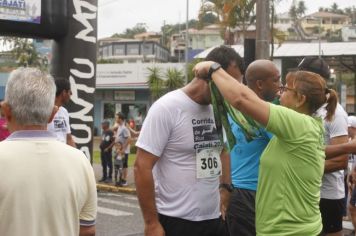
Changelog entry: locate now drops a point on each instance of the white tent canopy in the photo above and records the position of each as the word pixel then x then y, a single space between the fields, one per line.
pixel 300 49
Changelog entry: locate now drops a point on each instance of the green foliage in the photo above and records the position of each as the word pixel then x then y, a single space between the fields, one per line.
pixel 158 86
pixel 110 61
pixel 175 79
pixel 296 12
pixel 170 29
pixel 131 32
pixel 24 52
pixel 109 110
pixel 190 69
pixel 207 19
pixel 230 13
pixel 301 8
pixel 155 82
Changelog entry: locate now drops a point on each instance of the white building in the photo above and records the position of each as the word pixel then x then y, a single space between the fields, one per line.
pixel 348 33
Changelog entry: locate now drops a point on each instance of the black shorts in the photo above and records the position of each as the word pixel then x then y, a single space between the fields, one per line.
pixel 353 197
pixel 331 214
pixel 180 227
pixel 241 213
pixel 125 160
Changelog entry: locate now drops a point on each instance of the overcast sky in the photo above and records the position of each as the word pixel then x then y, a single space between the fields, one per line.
pixel 114 16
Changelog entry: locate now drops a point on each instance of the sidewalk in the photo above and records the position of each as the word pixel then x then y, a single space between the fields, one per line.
pixel 110 187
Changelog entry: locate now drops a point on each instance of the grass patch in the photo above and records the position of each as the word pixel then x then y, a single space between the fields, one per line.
pixel 96 158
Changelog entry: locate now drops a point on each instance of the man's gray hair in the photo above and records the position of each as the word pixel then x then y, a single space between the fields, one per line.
pixel 30 94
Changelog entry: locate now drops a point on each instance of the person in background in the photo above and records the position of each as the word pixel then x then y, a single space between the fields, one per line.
pixel 139 121
pixel 123 136
pixel 351 127
pixel 292 165
pixel 4 132
pixel 332 204
pixel 49 187
pixel 352 172
pixel 119 153
pixel 107 142
pixel 263 78
pixel 60 125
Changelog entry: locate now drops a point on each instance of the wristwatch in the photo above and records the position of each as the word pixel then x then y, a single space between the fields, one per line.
pixel 228 187
pixel 214 67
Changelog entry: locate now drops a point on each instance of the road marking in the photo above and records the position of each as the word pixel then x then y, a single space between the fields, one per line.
pixel 131 198
pixel 111 195
pixel 118 195
pixel 113 212
pixel 118 203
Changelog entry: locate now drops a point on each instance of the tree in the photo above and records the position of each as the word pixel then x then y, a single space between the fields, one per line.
pixel 168 30
pixel 131 32
pixel 230 13
pixel 175 79
pixel 155 82
pixel 293 13
pixel 301 9
pixel 158 87
pixel 296 12
pixel 334 8
pixel 24 52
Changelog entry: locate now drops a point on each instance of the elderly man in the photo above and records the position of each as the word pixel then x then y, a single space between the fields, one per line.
pixel 48 187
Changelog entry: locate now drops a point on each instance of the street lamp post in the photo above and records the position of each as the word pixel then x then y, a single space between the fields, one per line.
pixel 186 44
pixel 262 29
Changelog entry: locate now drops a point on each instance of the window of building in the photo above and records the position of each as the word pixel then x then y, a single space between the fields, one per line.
pixel 146 48
pixel 105 51
pixel 119 49
pixel 133 49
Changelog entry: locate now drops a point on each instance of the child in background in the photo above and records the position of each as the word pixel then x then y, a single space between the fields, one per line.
pixel 118 163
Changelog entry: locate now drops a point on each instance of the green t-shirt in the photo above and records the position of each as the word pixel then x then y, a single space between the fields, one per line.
pixel 291 168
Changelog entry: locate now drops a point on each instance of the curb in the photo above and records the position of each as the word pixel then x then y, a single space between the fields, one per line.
pixel 114 189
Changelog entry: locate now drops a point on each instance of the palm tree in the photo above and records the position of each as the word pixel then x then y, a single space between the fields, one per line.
pixel 24 51
pixel 175 79
pixel 155 82
pixel 229 13
pixel 301 9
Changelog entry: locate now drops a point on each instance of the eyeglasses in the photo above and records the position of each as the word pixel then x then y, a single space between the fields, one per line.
pixel 282 89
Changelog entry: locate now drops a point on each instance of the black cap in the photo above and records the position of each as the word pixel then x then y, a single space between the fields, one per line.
pixel 316 65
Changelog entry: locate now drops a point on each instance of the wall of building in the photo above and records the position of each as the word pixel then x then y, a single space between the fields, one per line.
pixel 348 33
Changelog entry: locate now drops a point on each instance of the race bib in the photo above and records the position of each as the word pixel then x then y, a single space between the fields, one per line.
pixel 208 163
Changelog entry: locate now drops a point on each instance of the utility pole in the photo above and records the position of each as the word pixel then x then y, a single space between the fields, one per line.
pixel 186 43
pixel 262 29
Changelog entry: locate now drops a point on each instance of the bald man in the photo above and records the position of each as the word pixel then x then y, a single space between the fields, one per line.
pixel 263 78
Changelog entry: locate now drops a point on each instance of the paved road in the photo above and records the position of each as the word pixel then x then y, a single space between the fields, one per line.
pixel 118 215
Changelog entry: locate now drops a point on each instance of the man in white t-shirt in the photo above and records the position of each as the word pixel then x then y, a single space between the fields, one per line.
pixel 49 187
pixel 179 164
pixel 60 126
pixel 123 136
pixel 332 191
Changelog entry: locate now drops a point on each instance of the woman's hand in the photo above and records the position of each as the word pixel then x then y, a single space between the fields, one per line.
pixel 201 70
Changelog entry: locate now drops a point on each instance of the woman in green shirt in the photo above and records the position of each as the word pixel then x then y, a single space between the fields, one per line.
pixel 292 165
